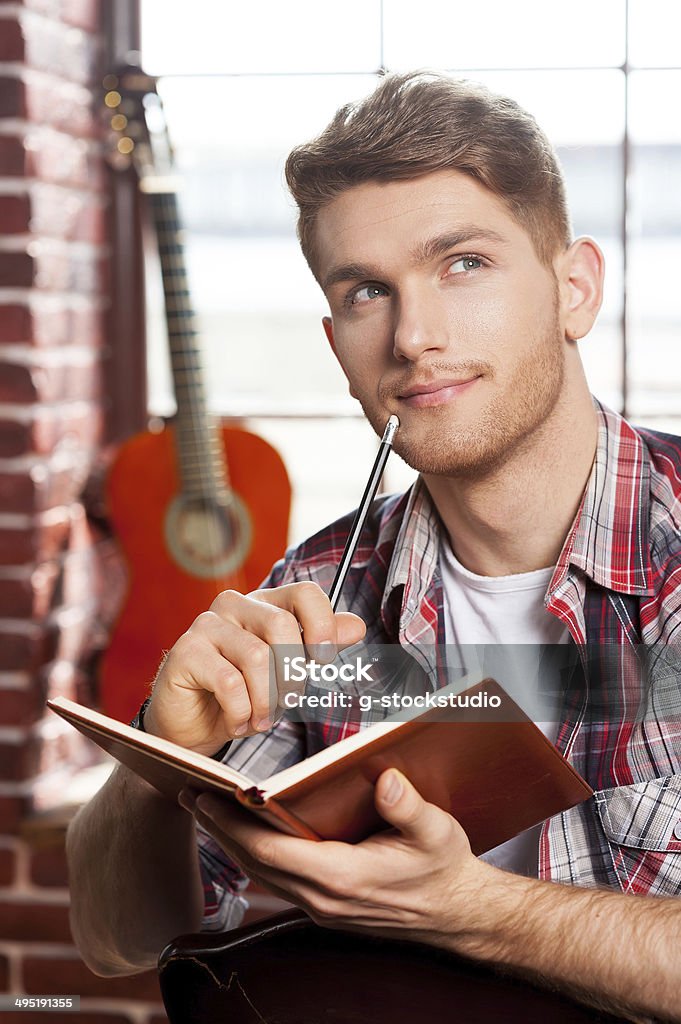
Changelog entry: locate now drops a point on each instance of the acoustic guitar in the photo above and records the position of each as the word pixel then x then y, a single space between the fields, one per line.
pixel 197 507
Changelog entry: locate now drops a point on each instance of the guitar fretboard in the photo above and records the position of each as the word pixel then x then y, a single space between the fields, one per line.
pixel 201 463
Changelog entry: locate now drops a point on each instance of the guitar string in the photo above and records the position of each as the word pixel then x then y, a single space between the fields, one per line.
pixel 199 446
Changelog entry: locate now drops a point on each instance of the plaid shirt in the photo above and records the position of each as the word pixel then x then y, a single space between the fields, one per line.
pixel 616 586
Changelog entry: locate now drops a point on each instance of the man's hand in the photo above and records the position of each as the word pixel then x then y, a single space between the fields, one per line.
pixel 418 880
pixel 224 677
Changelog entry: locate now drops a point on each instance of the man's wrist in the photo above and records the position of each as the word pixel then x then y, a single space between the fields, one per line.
pixel 494 904
pixel 143 722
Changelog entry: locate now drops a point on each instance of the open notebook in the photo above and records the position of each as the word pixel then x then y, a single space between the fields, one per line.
pixel 498 775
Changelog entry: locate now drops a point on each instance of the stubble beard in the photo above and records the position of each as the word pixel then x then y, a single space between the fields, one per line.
pixel 502 427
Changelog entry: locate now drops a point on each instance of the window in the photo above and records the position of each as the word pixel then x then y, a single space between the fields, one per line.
pixel 242 85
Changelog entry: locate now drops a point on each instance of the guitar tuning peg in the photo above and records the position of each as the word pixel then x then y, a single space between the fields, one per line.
pixel 112 99
pixel 119 122
pixel 125 145
pixel 109 82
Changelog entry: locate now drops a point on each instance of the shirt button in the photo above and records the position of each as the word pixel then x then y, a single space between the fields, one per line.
pixel 677 830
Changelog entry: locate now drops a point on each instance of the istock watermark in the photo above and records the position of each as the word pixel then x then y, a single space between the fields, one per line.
pixel 298 670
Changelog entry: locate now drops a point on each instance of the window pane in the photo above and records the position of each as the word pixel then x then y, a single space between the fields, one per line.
pixel 654 294
pixel 587 131
pixel 266 37
pixel 328 462
pixel 259 307
pixel 499 34
pixel 655 33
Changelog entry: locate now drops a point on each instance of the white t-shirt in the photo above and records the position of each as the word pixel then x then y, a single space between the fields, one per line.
pixel 498 625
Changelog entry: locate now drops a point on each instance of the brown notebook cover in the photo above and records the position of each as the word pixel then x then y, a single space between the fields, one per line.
pixel 497 776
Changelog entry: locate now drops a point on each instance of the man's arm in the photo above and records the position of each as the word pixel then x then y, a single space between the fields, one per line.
pixel 134 876
pixel 133 861
pixel 420 881
pixel 617 952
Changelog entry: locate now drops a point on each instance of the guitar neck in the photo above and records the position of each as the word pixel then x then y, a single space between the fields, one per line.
pixel 201 463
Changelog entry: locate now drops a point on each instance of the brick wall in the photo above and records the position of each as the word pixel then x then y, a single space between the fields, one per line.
pixel 54 269
pixel 53 304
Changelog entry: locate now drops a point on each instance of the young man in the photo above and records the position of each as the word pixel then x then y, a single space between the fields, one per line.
pixel 433 215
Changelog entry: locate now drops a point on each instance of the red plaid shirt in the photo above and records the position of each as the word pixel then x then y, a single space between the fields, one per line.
pixel 617 587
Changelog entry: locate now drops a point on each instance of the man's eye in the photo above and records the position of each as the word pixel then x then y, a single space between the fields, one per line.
pixel 367 292
pixel 464 263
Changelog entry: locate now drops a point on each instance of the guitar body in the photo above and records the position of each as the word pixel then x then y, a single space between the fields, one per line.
pixel 166 590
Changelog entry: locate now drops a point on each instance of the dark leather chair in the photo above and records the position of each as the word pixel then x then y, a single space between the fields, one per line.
pixel 286 970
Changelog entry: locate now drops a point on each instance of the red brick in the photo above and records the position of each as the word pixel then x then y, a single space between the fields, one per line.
pixel 13 809
pixel 12 97
pixel 15 320
pixel 53 266
pixel 17 601
pixel 12 156
pixel 44 488
pixel 21 707
pixel 19 653
pixel 16 268
pixel 34 922
pixel 53 211
pixel 19 761
pixel 69 975
pixel 41 99
pixel 11 40
pixel 16 438
pixel 8 861
pixel 15 214
pixel 17 493
pixel 76 578
pixel 48 866
pixel 80 425
pixel 54 157
pixel 33 544
pixel 51 327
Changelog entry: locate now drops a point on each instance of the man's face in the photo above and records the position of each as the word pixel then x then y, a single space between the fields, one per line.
pixel 442 313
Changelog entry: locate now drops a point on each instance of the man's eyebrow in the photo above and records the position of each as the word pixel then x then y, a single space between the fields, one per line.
pixel 442 244
pixel 422 253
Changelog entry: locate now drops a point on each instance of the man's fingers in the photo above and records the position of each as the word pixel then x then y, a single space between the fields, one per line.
pixel 291 608
pixel 405 809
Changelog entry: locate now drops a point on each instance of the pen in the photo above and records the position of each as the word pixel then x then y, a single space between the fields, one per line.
pixel 361 514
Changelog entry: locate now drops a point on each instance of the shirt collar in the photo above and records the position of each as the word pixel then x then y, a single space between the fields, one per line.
pixel 415 553
pixel 609 539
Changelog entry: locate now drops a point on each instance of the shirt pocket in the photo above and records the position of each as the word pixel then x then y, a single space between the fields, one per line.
pixel 642 824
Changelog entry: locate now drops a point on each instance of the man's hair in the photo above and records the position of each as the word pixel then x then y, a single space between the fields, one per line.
pixel 417 123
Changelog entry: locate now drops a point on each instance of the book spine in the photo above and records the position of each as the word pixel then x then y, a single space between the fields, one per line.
pixel 275 814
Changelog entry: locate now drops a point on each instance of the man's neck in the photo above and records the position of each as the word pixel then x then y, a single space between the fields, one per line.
pixel 516 518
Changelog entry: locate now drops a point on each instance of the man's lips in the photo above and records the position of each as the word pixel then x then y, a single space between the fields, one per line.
pixel 435 392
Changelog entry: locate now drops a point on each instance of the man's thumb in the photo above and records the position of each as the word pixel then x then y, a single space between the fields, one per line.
pixel 398 802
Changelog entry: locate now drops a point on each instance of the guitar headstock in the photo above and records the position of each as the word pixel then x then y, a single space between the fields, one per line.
pixel 136 126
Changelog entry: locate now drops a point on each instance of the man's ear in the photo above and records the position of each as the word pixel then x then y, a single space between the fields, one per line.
pixel 327 324
pixel 581 280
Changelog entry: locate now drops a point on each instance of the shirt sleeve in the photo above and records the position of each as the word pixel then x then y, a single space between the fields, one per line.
pixel 258 757
pixel 223 881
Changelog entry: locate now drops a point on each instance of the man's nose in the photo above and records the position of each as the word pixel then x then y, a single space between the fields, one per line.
pixel 420 326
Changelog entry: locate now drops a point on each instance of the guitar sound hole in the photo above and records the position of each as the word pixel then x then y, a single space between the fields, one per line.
pixel 208 539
